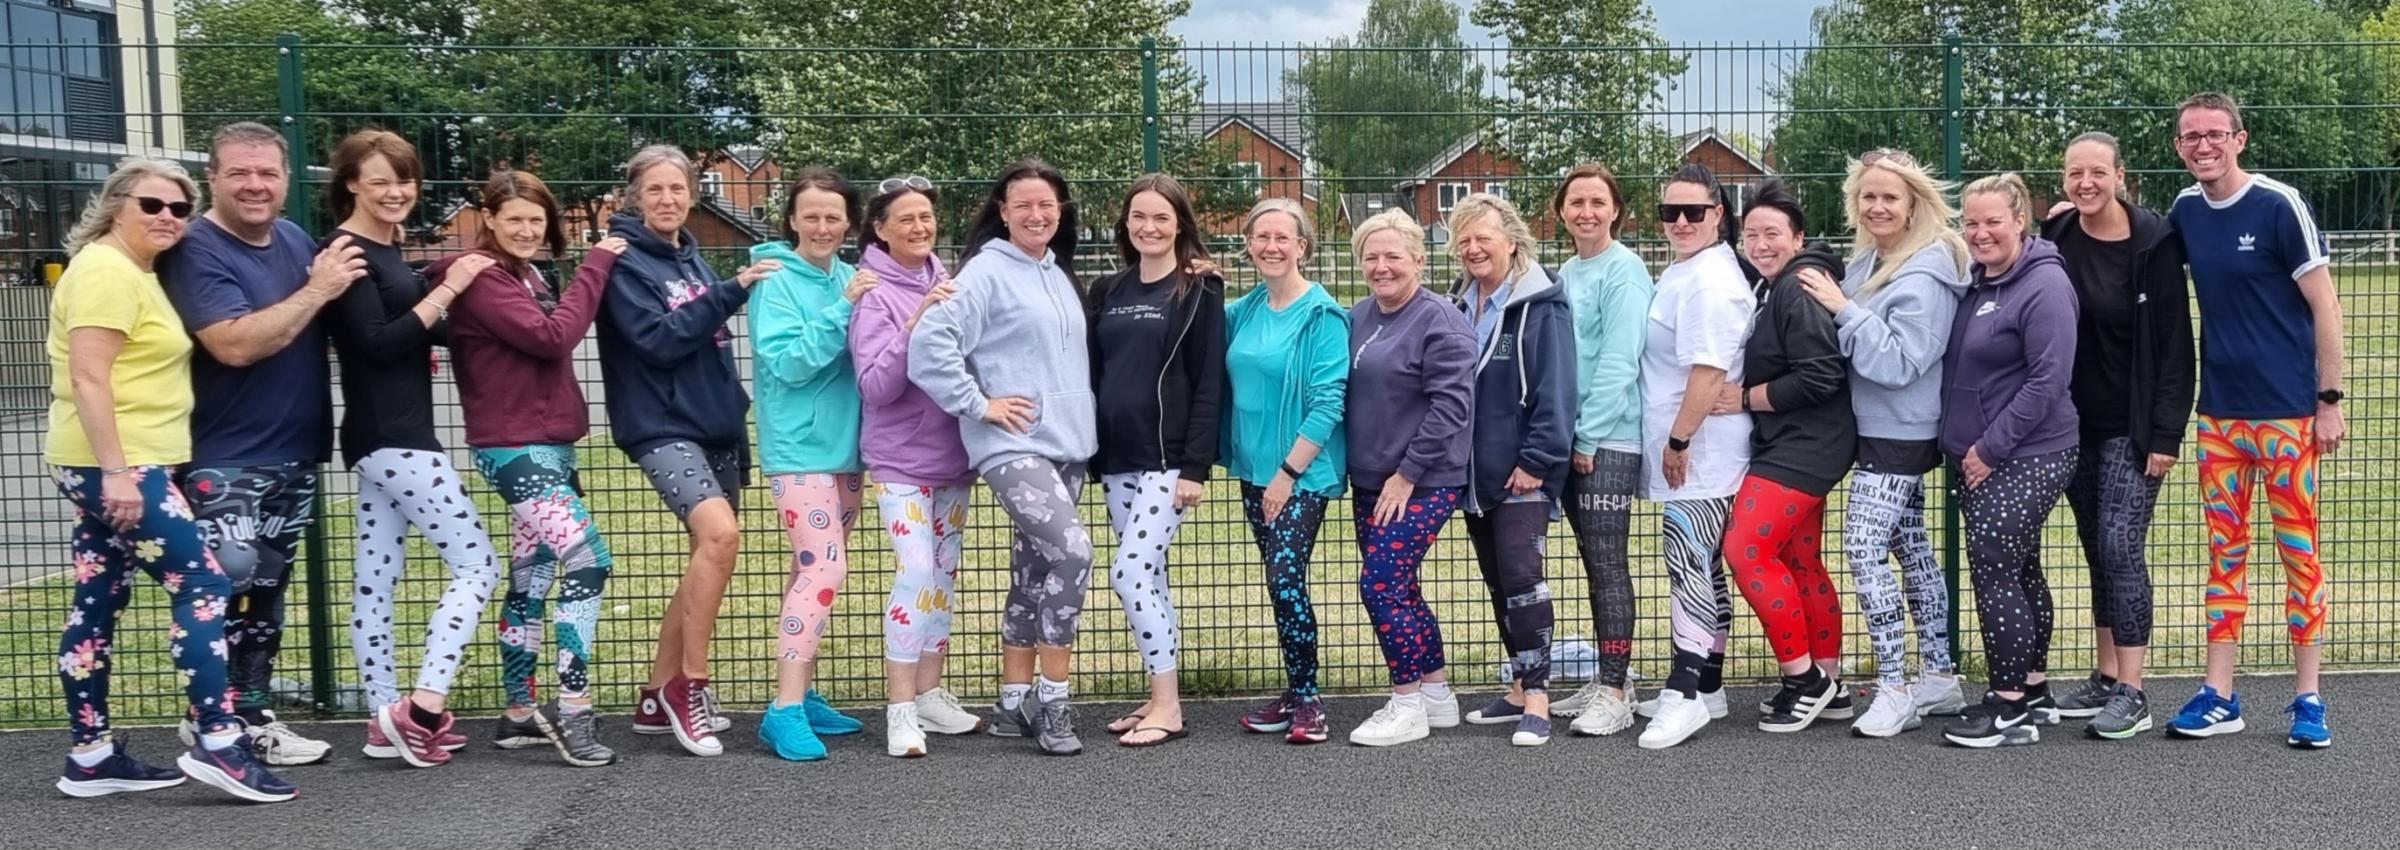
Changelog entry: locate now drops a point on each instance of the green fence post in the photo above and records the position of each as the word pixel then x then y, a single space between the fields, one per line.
pixel 1150 156
pixel 1954 170
pixel 292 104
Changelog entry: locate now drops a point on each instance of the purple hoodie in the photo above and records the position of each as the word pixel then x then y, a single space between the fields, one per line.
pixel 2010 361
pixel 907 438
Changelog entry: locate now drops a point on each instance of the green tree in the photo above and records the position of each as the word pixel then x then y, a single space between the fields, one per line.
pixel 1381 104
pixel 1575 105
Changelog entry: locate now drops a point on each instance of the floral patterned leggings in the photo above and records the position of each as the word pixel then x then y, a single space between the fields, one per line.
pixel 552 542
pixel 166 544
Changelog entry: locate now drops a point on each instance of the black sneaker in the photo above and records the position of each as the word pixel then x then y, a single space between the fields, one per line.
pixel 1013 722
pixel 1841 708
pixel 119 772
pixel 2088 698
pixel 2127 714
pixel 1798 704
pixel 2041 704
pixel 1995 722
pixel 509 733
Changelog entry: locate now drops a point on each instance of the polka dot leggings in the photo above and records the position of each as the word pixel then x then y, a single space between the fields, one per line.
pixel 1141 508
pixel 398 488
pixel 2003 517
pixel 1773 545
pixel 817 511
pixel 1387 580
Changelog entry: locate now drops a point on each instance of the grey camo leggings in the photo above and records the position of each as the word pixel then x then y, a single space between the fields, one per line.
pixel 1885 520
pixel 1051 558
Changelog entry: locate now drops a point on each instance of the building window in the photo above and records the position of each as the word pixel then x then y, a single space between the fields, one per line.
pixel 711 183
pixel 1257 178
pixel 1450 194
pixel 8 222
pixel 1497 189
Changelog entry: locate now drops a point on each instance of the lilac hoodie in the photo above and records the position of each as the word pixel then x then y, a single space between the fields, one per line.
pixel 2011 356
pixel 908 439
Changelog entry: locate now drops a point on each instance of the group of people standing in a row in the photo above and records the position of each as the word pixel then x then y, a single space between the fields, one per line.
pixel 2029 357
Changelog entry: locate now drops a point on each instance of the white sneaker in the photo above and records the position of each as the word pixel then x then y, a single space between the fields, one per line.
pixel 1938 694
pixel 278 745
pixel 1392 724
pixel 1605 714
pixel 901 737
pixel 1676 719
pixel 1442 713
pixel 1893 711
pixel 939 712
pixel 1574 705
pixel 1714 701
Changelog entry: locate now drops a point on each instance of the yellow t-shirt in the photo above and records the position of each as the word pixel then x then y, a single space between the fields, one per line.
pixel 152 377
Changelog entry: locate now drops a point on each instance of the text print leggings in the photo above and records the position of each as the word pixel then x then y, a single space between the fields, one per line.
pixel 1884 521
pixel 1051 557
pixel 817 511
pixel 1602 515
pixel 398 488
pixel 166 544
pixel 2114 498
pixel 1391 553
pixel 552 542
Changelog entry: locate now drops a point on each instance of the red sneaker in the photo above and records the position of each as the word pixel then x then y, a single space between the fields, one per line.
pixel 418 745
pixel 688 717
pixel 650 713
pixel 380 747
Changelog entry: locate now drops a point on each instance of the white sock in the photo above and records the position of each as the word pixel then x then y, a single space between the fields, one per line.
pixel 1012 694
pixel 1436 691
pixel 566 708
pixel 1052 691
pixel 220 740
pixel 1414 701
pixel 93 757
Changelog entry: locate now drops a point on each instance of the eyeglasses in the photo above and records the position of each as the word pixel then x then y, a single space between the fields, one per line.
pixel 1691 213
pixel 151 206
pixel 2193 140
pixel 1879 155
pixel 905 181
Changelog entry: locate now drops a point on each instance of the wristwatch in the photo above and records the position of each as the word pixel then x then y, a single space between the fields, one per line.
pixel 1678 444
pixel 2331 396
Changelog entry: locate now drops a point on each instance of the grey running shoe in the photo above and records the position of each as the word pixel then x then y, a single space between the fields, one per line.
pixel 2127 714
pixel 514 734
pixel 1013 722
pixel 578 739
pixel 1054 723
pixel 2088 698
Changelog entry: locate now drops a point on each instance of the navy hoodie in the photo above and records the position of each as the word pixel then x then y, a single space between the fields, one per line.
pixel 1525 396
pixel 666 356
pixel 2011 358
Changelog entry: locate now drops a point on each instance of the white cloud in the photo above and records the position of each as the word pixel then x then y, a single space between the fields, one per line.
pixel 1236 21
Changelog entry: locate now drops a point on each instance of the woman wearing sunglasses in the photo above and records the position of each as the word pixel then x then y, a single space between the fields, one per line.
pixel 1893 311
pixel 1694 346
pixel 912 447
pixel 384 328
pixel 808 432
pixel 120 420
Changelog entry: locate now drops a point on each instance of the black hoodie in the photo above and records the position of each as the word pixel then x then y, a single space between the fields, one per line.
pixel 666 357
pixel 2160 405
pixel 1158 389
pixel 1810 438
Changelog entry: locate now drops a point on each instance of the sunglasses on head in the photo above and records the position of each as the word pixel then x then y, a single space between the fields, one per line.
pixel 1887 154
pixel 151 206
pixel 906 181
pixel 1692 213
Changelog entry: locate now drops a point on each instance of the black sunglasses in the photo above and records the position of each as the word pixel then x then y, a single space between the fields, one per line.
pixel 1692 213
pixel 909 181
pixel 151 206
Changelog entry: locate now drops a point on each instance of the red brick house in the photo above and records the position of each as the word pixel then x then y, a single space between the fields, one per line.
pixel 736 190
pixel 1266 137
pixel 1736 168
pixel 1472 164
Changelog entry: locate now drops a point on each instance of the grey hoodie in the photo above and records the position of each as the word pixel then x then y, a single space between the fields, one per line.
pixel 1016 328
pixel 1895 338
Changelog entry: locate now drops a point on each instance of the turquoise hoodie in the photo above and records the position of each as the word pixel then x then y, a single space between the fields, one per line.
pixel 1610 296
pixel 1301 397
pixel 808 408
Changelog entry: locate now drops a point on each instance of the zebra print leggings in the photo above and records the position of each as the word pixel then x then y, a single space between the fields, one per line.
pixel 1702 612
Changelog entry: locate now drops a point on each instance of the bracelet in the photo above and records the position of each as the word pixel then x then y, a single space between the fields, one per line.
pixel 1288 470
pixel 115 470
pixel 1745 400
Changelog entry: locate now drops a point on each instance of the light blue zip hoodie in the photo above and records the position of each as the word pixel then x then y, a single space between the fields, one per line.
pixel 1307 402
pixel 807 392
pixel 1016 328
pixel 1610 296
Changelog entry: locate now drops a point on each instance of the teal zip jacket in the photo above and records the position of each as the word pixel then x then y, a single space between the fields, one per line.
pixel 1311 338
pixel 808 408
pixel 1610 296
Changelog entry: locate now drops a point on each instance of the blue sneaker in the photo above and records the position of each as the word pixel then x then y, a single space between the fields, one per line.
pixel 785 729
pixel 2308 723
pixel 823 718
pixel 235 770
pixel 119 772
pixel 2208 714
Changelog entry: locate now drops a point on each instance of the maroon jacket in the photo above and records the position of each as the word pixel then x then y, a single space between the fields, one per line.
pixel 516 360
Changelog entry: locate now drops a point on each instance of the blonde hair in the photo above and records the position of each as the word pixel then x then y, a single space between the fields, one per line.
pixel 100 214
pixel 2011 189
pixel 1512 225
pixel 1929 216
pixel 1393 220
pixel 1300 221
pixel 651 157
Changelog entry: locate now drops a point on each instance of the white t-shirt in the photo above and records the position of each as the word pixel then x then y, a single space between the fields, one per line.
pixel 1699 317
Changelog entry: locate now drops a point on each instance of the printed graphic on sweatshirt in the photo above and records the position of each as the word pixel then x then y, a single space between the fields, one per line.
pixel 683 291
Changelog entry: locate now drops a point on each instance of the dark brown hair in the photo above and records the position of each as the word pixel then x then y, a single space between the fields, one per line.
pixel 509 184
pixel 1593 171
pixel 352 154
pixel 988 225
pixel 825 180
pixel 2218 101
pixel 1188 245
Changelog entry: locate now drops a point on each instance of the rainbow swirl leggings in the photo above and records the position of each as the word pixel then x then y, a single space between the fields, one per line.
pixel 2234 455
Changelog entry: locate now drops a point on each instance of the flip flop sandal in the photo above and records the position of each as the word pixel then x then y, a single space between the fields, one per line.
pixel 1172 735
pixel 1126 723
